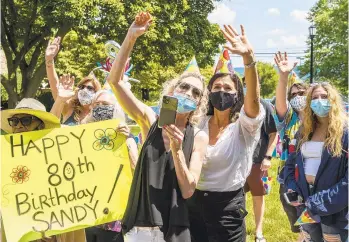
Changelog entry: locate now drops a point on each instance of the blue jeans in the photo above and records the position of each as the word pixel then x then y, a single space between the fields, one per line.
pixel 321 232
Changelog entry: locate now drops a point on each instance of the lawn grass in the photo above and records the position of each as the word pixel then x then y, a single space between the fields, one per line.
pixel 276 227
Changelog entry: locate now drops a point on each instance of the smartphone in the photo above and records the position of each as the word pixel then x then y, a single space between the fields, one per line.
pixel 168 111
pixel 291 197
pixel 242 211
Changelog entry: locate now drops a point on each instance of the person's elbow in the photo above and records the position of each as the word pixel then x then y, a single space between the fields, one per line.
pixel 252 111
pixel 281 110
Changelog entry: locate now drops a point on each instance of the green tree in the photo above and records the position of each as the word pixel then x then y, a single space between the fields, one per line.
pixel 179 31
pixel 268 78
pixel 330 18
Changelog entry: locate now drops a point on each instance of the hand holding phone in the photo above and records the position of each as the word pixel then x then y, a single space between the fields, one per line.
pixel 293 198
pixel 168 111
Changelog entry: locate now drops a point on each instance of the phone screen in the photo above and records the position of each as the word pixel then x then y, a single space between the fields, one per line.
pixel 168 111
pixel 291 196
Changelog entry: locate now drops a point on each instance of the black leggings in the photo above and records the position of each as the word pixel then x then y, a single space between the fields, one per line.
pixel 217 216
pixel 95 234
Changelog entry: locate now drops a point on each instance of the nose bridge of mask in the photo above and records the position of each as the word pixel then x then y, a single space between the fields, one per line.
pixel 185 104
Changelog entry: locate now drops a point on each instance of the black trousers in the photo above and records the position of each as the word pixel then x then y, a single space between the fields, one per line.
pixel 95 234
pixel 217 216
pixel 290 211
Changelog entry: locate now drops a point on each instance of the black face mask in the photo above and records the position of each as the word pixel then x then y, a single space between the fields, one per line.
pixel 223 100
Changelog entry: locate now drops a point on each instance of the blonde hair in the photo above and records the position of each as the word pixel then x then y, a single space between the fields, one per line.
pixel 77 107
pixel 337 120
pixel 195 116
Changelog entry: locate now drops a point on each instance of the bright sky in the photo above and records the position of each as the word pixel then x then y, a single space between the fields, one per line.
pixel 270 25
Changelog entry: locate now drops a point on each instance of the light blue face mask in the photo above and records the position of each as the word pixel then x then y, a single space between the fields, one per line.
pixel 245 90
pixel 185 104
pixel 321 107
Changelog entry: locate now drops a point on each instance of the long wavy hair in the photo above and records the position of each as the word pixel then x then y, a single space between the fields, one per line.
pixel 77 107
pixel 234 114
pixel 170 86
pixel 337 120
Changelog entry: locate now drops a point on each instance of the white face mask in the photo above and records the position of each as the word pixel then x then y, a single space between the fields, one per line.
pixel 298 103
pixel 85 96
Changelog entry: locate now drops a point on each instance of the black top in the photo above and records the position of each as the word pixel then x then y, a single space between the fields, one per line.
pixel 268 127
pixel 155 198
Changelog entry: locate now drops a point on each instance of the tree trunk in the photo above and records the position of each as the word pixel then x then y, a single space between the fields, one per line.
pixel 12 101
pixel 34 82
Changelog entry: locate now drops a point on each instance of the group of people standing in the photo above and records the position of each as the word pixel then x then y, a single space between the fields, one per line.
pixel 190 177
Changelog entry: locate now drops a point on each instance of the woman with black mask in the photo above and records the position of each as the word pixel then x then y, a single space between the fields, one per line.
pixel 217 208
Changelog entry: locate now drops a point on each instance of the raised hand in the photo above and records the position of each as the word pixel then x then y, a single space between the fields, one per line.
pixel 65 88
pixel 52 48
pixel 284 66
pixel 141 24
pixel 123 129
pixel 239 43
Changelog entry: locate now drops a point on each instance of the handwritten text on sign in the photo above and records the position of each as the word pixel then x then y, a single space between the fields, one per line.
pixel 63 180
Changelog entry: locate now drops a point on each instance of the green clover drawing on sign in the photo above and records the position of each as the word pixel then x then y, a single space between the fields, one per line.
pixel 105 139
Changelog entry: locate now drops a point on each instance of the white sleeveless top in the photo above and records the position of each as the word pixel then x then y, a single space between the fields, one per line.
pixel 228 163
pixel 312 151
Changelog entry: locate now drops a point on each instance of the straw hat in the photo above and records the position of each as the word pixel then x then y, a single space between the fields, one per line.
pixel 32 107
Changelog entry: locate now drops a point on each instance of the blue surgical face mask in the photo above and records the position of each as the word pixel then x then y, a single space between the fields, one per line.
pixel 185 104
pixel 321 107
pixel 245 90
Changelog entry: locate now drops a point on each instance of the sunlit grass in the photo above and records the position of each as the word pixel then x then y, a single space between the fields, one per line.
pixel 276 227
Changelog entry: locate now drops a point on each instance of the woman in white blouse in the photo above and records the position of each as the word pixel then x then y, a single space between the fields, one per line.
pixel 217 209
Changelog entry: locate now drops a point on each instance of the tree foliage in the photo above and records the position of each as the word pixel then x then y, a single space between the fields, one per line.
pixel 330 18
pixel 179 31
pixel 268 78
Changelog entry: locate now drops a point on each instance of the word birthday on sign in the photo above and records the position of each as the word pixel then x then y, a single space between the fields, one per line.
pixel 66 179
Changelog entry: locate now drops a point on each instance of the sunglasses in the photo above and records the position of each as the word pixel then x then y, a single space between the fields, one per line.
pixel 300 93
pixel 318 83
pixel 25 121
pixel 197 93
pixel 90 88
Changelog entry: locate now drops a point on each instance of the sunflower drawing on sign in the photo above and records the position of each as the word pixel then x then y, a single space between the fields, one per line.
pixel 20 174
pixel 105 139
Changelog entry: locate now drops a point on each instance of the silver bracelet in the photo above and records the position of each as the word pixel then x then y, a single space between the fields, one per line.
pixel 253 63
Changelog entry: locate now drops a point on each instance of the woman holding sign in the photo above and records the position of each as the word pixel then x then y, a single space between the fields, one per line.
pixel 30 115
pixel 170 162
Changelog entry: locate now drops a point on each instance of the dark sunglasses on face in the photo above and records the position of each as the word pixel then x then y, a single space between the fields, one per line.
pixel 90 88
pixel 197 93
pixel 300 93
pixel 25 121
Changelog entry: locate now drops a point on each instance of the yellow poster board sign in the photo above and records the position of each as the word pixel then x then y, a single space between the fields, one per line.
pixel 63 179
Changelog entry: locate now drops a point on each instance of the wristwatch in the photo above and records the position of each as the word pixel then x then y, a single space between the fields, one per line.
pixel 268 157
